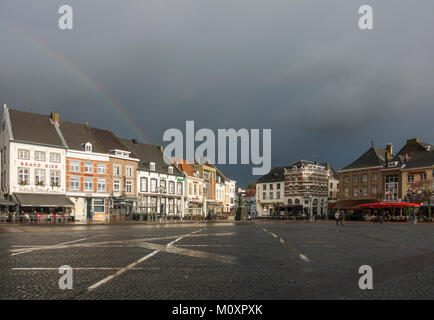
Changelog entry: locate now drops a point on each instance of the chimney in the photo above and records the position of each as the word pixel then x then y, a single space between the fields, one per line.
pixel 389 148
pixel 134 141
pixel 54 117
pixel 413 141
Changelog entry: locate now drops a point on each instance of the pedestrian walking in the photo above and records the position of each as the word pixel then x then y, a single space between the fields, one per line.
pixel 342 218
pixel 337 217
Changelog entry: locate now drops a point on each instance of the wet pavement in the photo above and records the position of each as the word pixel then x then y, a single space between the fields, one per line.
pixel 255 260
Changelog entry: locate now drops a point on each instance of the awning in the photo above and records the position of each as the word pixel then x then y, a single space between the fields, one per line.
pixel 43 200
pixel 4 202
pixel 390 205
pixel 331 205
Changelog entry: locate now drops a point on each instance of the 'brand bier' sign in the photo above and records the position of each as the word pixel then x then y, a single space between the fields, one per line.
pixel 38 165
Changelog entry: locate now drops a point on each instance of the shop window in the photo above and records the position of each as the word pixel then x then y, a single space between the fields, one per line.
pixel 98 206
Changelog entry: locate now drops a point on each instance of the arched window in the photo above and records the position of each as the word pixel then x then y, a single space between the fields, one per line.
pixel 297 201
pixel 290 201
pixel 88 147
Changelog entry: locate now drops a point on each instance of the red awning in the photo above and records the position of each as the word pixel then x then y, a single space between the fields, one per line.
pixel 331 205
pixel 377 205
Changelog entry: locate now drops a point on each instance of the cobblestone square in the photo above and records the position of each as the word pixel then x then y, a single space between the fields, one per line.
pixel 255 260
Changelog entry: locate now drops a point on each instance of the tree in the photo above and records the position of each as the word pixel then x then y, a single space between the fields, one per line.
pixel 426 189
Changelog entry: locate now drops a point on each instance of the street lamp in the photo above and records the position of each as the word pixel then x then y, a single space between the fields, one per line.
pixel 160 190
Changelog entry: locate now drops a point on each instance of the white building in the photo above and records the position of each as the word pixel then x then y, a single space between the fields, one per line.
pixel 220 192
pixel 33 169
pixel 230 186
pixel 270 192
pixel 160 186
pixel 194 193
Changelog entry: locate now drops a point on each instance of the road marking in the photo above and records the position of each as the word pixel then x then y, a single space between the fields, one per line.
pixel 132 265
pixel 53 246
pixel 77 268
pixel 115 243
pixel 190 253
pixel 292 248
pixel 204 245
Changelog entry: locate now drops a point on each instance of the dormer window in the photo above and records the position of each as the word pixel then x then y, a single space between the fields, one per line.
pixel 170 169
pixel 88 147
pixel 152 166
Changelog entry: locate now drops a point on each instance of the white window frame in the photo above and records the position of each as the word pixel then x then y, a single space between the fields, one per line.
pixel 24 176
pixel 117 170
pixel 55 178
pixel 144 184
pixel 55 157
pixel 117 182
pixel 38 153
pixel 38 177
pixel 88 184
pixel 24 154
pixel 101 182
pixel 129 185
pixel 88 165
pixel 88 147
pixel 101 168
pixel 73 165
pixel 74 183
pixel 153 187
pixel 129 171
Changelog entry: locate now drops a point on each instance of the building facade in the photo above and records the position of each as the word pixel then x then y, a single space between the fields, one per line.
pixel 87 172
pixel 362 181
pixel 306 188
pixel 270 192
pixel 161 186
pixel 33 162
pixel 122 173
pixel 208 173
pixel 194 197
pixel 229 202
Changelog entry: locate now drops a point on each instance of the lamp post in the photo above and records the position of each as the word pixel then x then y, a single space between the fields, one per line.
pixel 160 191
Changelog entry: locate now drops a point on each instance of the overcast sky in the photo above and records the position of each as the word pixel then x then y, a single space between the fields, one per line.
pixel 302 68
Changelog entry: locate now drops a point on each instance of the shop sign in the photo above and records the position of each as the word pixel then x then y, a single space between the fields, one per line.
pixel 38 165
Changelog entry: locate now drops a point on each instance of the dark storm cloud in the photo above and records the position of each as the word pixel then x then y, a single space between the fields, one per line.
pixel 301 68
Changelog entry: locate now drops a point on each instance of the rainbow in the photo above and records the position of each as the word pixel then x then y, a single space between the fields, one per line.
pixel 116 106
